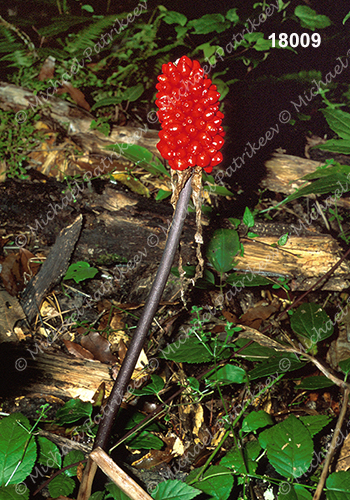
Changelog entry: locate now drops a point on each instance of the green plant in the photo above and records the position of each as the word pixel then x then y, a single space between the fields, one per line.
pixel 80 271
pixel 21 449
pixel 18 139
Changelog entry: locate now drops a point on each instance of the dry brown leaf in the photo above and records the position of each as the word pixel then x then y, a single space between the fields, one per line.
pixel 77 350
pixel 10 312
pixel 75 94
pixel 99 347
pixel 47 69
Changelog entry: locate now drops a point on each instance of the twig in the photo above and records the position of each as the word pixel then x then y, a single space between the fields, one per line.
pixel 333 446
pixel 118 476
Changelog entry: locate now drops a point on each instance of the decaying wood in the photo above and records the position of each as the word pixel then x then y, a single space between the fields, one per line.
pixel 51 272
pixel 304 259
pixel 35 369
pixel 61 112
pixel 284 173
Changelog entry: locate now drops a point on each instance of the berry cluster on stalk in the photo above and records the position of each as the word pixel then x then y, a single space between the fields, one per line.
pixel 191 133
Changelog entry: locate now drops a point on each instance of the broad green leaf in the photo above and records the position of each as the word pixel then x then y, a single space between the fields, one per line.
pixel 234 458
pixel 326 171
pixel 49 453
pixel 61 485
pixel 13 439
pixel 80 271
pixel 229 374
pixel 115 493
pixel 312 322
pixel 12 492
pixel 341 146
pixel 314 383
pixel 154 387
pixel 310 19
pixel 145 441
pixel 262 45
pixel 345 365
pixel 140 156
pixel 248 217
pixel 172 17
pixel 339 122
pixel 187 350
pixel 131 94
pixel 338 486
pixel 217 483
pixel 98 495
pixel 283 240
pixel 175 490
pixel 73 410
pixel 289 448
pixel 315 423
pixel 247 279
pixel 256 420
pixel 209 23
pixel 278 363
pixel 71 458
pixel 222 249
pixel 137 417
pixel 289 491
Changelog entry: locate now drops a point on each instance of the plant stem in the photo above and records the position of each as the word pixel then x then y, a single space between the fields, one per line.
pixel 132 355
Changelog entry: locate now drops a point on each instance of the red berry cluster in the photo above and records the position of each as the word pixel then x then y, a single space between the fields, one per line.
pixel 189 113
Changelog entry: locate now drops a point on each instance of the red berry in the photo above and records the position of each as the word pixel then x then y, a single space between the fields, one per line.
pixel 203 159
pixel 218 142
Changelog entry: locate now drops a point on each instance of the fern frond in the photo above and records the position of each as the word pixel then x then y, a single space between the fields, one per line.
pixel 88 36
pixel 60 25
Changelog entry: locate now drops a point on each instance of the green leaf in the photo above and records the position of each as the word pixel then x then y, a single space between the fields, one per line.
pixel 346 17
pixel 314 383
pixel 234 459
pixel 162 195
pixel 248 217
pixel 341 146
pixel 217 483
pixel 140 156
pixel 345 365
pixel 137 417
pixel 312 322
pixel 232 15
pixel 61 485
pixel 11 492
pixel 263 45
pixel 73 410
pixel 229 374
pixel 283 240
pixel 188 350
pixel 71 458
pixel 243 280
pixel 107 101
pixel 88 8
pixel 99 495
pixel 80 271
pixel 154 387
pixel 222 248
pixel 145 441
pixel 175 490
pixel 289 448
pixel 13 439
pixel 310 19
pixel 172 17
pixel 209 23
pixel 289 491
pixel 49 453
pixel 315 423
pixel 221 190
pixel 338 486
pixel 117 493
pixel 133 93
pixel 256 420
pixel 339 122
pixel 278 362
